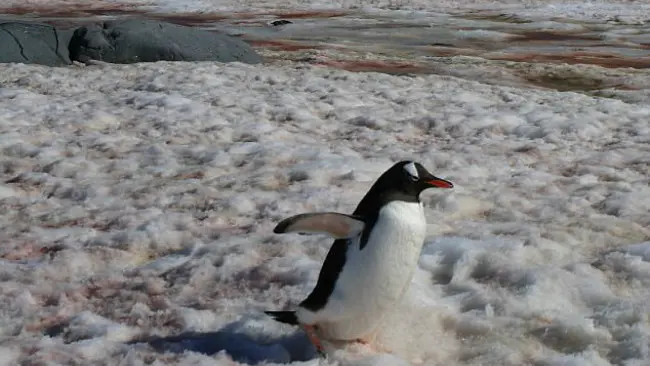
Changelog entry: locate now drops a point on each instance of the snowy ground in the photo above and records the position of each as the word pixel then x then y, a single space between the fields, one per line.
pixel 137 204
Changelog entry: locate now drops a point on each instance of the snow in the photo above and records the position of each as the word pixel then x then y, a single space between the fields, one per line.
pixel 624 11
pixel 137 204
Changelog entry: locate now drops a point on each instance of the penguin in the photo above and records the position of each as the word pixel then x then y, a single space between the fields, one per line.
pixel 372 261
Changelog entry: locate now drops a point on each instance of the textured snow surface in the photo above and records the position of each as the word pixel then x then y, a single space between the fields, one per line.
pixel 620 10
pixel 137 204
pixel 138 201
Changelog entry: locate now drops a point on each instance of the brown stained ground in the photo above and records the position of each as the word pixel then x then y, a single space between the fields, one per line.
pixel 501 18
pixel 388 67
pixel 82 9
pixel 250 18
pixel 545 36
pixel 307 14
pixel 570 79
pixel 198 19
pixel 574 47
pixel 282 45
pixel 73 9
pixel 450 51
pixel 72 14
pixel 582 57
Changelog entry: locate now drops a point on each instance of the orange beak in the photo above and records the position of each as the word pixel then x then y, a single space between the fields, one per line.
pixel 440 183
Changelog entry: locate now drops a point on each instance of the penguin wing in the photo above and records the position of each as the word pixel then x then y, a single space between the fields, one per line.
pixel 334 224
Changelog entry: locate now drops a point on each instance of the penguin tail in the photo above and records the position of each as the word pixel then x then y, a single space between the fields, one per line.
pixel 287 317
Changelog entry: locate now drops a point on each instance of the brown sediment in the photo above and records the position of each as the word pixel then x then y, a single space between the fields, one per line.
pixel 73 9
pixel 443 51
pixel 71 15
pixel 597 45
pixel 282 45
pixel 84 8
pixel 566 81
pixel 624 87
pixel 502 18
pixel 191 19
pixel 307 14
pixel 97 12
pixel 447 53
pixel 23 252
pixel 590 58
pixel 238 17
pixel 533 36
pixel 199 174
pixel 387 67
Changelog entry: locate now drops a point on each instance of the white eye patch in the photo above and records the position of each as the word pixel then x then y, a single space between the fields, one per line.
pixel 412 171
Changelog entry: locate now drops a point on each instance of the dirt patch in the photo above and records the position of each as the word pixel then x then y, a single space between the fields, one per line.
pixel 450 51
pixel 501 18
pixel 73 9
pixel 565 80
pixel 536 36
pixel 387 67
pixel 283 45
pixel 307 14
pixel 590 58
pixel 75 13
pixel 197 19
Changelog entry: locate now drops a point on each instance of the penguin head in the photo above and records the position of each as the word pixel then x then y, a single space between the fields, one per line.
pixel 404 181
pixel 412 178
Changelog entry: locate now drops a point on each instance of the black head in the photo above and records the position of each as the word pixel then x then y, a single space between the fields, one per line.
pixel 411 178
pixel 404 181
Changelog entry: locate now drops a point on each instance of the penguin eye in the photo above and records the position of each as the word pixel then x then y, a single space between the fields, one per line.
pixel 412 172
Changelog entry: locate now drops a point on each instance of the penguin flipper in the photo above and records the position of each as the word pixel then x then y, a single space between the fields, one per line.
pixel 287 317
pixel 334 224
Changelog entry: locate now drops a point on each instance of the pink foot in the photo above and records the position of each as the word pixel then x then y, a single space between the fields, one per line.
pixel 311 334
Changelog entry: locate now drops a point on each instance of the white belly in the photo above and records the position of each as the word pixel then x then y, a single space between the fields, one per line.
pixel 375 279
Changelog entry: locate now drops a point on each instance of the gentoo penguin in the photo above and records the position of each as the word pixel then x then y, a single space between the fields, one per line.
pixel 372 260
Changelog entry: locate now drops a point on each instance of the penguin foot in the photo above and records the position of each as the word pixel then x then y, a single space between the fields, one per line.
pixel 372 346
pixel 311 334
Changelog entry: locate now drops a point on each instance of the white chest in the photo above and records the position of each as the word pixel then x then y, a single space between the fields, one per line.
pixel 375 278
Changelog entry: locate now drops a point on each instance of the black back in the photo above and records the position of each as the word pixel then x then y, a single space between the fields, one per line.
pixel 395 184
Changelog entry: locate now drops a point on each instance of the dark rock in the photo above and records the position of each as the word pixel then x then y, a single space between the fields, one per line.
pixel 130 41
pixel 280 22
pixel 33 43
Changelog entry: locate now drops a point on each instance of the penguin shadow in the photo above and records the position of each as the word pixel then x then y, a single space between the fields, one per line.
pixel 238 344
